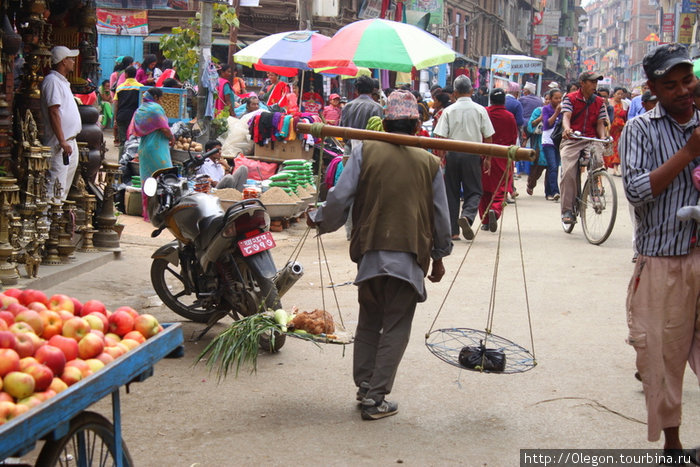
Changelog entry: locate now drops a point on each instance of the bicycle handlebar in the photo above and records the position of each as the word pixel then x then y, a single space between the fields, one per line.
pixel 578 135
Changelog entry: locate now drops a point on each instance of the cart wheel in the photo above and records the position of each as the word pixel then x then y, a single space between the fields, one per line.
pixel 90 441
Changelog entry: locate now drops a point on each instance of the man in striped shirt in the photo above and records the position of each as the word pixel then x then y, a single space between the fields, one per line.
pixel 659 151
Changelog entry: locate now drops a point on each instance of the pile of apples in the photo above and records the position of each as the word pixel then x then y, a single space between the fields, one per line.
pixel 49 344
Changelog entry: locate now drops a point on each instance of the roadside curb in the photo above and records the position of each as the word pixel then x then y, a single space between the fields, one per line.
pixel 50 276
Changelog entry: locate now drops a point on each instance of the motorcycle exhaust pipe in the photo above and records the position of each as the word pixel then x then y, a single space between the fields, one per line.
pixel 287 277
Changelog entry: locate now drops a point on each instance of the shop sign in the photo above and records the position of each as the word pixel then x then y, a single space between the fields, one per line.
pixel 668 22
pixel 565 41
pixel 685 28
pixel 541 44
pixel 144 4
pixel 370 9
pixel 434 7
pixel 122 22
pixel 690 6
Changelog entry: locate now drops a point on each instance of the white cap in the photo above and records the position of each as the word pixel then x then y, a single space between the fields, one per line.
pixel 59 53
pixel 553 85
pixel 529 86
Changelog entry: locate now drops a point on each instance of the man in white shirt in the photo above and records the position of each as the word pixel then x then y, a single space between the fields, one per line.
pixel 62 122
pixel 216 168
pixel 464 120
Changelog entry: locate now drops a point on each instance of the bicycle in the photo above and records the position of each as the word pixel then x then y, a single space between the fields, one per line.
pixel 596 203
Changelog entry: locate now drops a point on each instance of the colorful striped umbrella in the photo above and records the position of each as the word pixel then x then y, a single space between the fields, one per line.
pixel 380 43
pixel 285 53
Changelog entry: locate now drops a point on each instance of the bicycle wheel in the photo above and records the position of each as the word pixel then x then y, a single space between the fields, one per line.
pixel 90 441
pixel 598 207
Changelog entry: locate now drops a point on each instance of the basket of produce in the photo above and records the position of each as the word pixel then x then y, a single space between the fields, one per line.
pixel 239 344
pixel 173 101
pixel 180 152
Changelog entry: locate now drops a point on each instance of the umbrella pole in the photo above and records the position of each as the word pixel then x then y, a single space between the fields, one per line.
pixel 301 89
pixel 496 150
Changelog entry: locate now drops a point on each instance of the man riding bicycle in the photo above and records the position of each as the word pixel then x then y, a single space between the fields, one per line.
pixel 583 111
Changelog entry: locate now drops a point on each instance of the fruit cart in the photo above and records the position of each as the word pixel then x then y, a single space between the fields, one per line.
pixel 74 436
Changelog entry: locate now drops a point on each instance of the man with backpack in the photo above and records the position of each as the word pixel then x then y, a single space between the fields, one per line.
pixel 582 111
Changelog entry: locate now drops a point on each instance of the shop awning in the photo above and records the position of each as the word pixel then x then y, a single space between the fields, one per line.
pixel 513 41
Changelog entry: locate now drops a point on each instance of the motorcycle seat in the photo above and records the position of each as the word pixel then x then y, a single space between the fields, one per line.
pixel 208 228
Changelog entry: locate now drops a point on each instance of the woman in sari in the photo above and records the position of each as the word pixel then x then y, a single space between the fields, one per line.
pixel 151 125
pixel 619 118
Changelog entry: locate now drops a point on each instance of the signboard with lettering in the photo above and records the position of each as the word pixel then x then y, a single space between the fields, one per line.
pixel 122 22
pixel 668 22
pixel 541 45
pixel 511 64
pixel 685 28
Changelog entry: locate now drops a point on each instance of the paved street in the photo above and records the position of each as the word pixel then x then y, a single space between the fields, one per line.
pixel 299 407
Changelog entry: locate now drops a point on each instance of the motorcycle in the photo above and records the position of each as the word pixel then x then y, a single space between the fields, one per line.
pixel 220 263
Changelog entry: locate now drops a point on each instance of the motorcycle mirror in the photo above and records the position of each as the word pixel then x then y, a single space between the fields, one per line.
pixel 150 186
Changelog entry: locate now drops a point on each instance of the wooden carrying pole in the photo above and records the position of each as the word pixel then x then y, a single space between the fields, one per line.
pixel 496 150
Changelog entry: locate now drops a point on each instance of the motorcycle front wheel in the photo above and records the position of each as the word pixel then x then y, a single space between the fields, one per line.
pixel 170 287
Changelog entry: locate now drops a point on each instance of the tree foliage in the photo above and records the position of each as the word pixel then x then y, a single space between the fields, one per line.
pixel 182 44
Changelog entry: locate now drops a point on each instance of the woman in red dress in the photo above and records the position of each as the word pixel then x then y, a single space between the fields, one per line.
pixel 619 118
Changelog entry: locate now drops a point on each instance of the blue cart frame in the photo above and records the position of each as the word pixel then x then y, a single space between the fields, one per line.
pixel 51 419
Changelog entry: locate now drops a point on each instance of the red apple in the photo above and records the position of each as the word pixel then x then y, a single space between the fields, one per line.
pixel 3 325
pixel 68 346
pixel 30 295
pixel 129 343
pixel 31 401
pixel 71 375
pixel 57 385
pixel 37 306
pixel 5 397
pixel 95 364
pixel 90 346
pixel 77 306
pixel 52 323
pixel 111 339
pixel 92 306
pixel 14 293
pixel 61 302
pixel 65 315
pixel 32 318
pixel 25 345
pixel 129 310
pixel 7 340
pixel 7 411
pixel 36 340
pixel 7 317
pixel 9 361
pixel 121 322
pixel 99 334
pixel 42 376
pixel 81 365
pixel 15 308
pixel 94 321
pixel 77 328
pixel 102 317
pixel 146 324
pixel 115 351
pixel 6 300
pixel 52 357
pixel 21 328
pixel 46 394
pixel 135 336
pixel 105 358
pixel 17 384
pixel 26 362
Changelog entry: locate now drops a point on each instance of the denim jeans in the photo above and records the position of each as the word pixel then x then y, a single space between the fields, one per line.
pixel 551 186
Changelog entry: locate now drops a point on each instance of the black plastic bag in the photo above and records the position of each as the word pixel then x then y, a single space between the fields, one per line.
pixel 481 358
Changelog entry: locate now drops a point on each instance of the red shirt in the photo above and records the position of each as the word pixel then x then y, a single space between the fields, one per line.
pixel 504 124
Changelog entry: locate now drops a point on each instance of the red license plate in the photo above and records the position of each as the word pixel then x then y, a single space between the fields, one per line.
pixel 253 245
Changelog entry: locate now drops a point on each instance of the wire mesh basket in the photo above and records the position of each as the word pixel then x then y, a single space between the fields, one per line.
pixel 446 344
